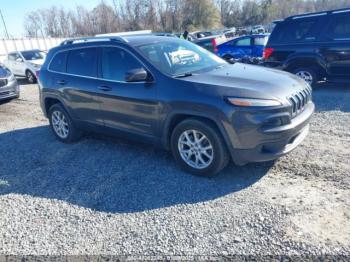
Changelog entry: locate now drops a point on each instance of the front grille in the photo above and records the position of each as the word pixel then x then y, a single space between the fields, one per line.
pixel 7 93
pixel 300 100
pixel 3 82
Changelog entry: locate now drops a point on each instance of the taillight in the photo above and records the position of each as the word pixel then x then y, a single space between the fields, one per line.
pixel 213 42
pixel 268 51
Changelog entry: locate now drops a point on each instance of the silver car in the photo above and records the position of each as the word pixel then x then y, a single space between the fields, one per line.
pixel 25 63
pixel 9 87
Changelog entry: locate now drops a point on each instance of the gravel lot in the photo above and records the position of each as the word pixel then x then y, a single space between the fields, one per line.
pixel 108 196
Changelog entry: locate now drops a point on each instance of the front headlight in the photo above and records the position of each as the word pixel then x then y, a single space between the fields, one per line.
pixel 251 102
pixel 36 66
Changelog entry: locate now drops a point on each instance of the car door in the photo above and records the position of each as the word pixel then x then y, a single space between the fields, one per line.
pixel 126 106
pixel 16 61
pixel 9 62
pixel 21 65
pixel 335 47
pixel 74 75
pixel 241 47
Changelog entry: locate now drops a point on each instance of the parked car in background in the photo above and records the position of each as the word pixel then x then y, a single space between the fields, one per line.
pixel 25 63
pixel 164 34
pixel 313 46
pixel 242 31
pixel 250 46
pixel 211 42
pixel 258 29
pixel 190 37
pixel 230 33
pixel 9 87
pixel 201 34
pixel 174 94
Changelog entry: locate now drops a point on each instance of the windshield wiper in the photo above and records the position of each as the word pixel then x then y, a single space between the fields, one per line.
pixel 183 75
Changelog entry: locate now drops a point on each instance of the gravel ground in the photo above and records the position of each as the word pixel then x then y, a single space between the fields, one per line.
pixel 108 196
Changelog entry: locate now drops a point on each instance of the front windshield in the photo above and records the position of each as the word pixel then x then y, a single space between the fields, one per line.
pixel 33 55
pixel 180 57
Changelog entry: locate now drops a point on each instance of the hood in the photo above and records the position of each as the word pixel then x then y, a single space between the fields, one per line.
pixel 38 62
pixel 251 81
pixel 4 73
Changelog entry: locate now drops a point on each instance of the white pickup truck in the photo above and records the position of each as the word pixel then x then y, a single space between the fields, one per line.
pixel 25 63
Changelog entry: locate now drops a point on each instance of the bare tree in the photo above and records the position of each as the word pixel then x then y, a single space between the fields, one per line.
pixel 33 24
pixel 166 15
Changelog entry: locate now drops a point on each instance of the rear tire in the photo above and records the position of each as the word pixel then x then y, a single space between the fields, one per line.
pixel 62 125
pixel 309 74
pixel 194 141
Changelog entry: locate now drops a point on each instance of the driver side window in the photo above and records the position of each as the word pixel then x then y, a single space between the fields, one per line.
pixel 116 62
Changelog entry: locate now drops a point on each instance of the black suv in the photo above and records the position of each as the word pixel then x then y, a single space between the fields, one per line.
pixel 175 94
pixel 313 46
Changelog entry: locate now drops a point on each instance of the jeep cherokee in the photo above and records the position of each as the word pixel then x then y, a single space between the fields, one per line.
pixel 175 94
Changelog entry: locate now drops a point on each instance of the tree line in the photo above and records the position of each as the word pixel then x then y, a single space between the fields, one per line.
pixel 165 15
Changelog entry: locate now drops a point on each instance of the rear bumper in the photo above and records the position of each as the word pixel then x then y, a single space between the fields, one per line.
pixel 9 91
pixel 275 142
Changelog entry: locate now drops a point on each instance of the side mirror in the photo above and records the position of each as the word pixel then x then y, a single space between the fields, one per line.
pixel 136 75
pixel 19 59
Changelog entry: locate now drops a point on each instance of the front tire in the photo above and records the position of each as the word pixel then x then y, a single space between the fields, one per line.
pixel 31 78
pixel 308 74
pixel 62 125
pixel 199 148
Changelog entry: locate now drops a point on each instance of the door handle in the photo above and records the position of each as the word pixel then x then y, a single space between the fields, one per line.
pixel 105 88
pixel 61 82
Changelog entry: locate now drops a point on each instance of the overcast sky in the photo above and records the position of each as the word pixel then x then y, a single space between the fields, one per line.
pixel 14 11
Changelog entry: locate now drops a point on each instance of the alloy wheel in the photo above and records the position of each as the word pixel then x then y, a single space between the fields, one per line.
pixel 30 77
pixel 307 76
pixel 60 124
pixel 195 149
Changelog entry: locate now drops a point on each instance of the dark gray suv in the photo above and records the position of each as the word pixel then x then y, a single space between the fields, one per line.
pixel 176 95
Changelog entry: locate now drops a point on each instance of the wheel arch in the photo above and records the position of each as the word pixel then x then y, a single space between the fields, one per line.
pixel 306 61
pixel 28 70
pixel 176 118
pixel 49 101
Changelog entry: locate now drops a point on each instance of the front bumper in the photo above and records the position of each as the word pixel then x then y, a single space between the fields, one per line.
pixel 11 90
pixel 270 143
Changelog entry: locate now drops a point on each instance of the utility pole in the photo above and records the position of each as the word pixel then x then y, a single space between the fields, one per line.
pixel 3 21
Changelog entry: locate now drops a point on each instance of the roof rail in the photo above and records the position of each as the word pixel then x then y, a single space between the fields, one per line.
pixel 92 39
pixel 344 10
pixel 129 33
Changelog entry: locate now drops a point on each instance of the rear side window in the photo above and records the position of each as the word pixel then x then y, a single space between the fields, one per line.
pixel 340 27
pixel 294 31
pixel 82 62
pixel 116 63
pixel 58 63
